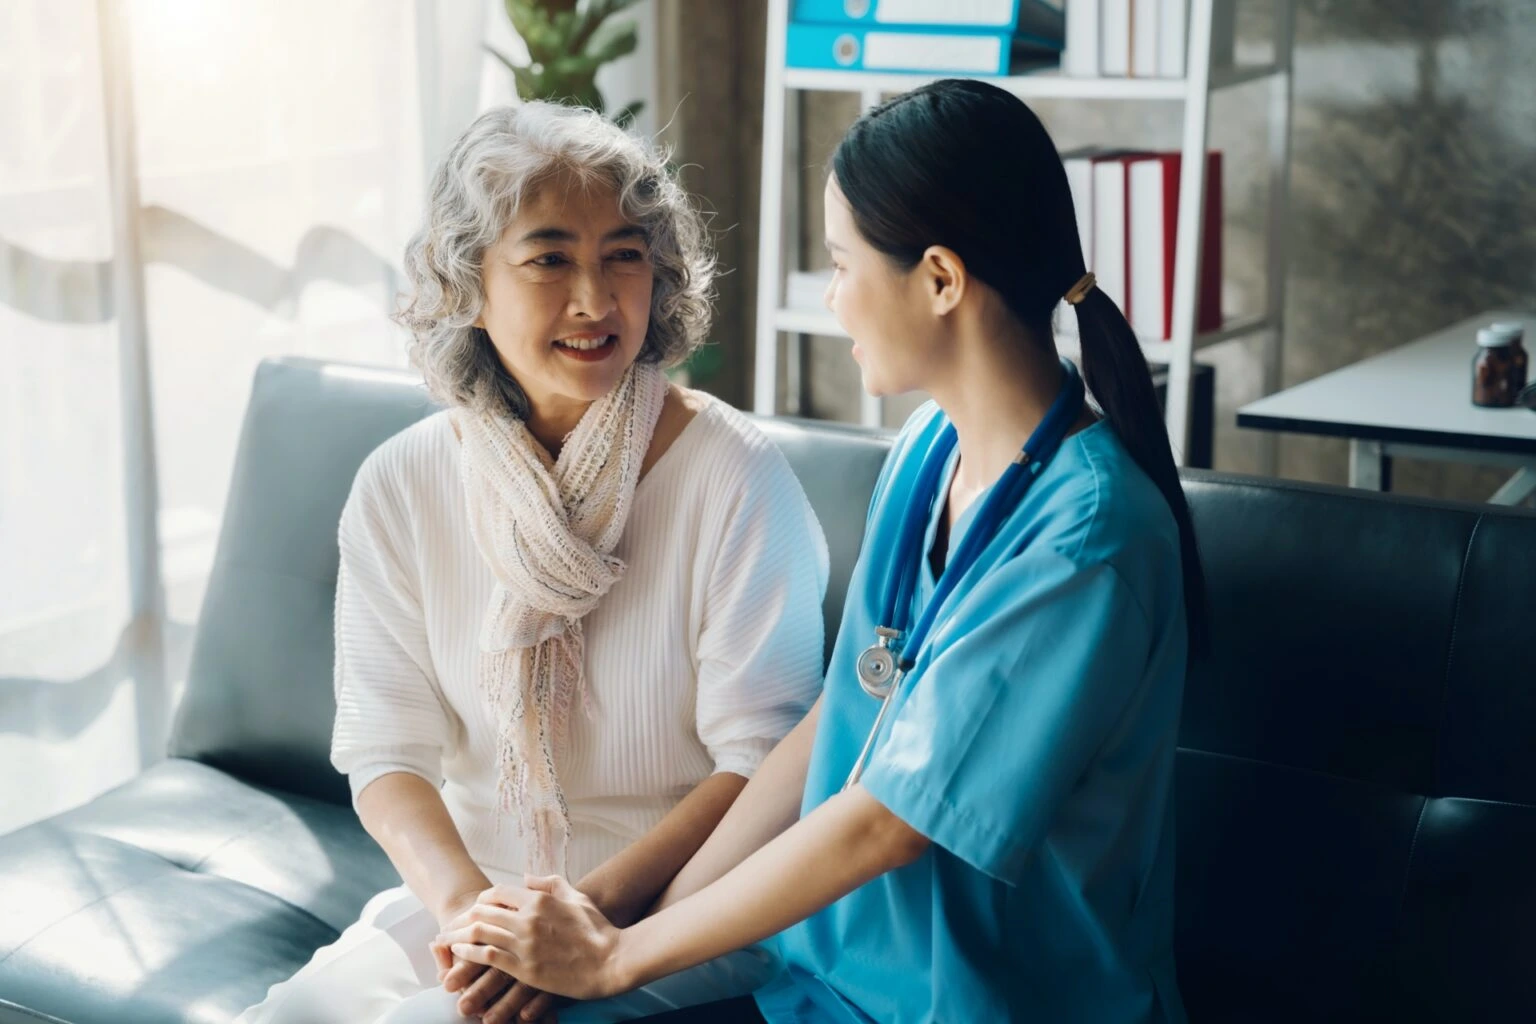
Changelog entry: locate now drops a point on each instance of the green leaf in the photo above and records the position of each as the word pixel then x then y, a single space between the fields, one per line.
pixel 528 86
pixel 619 41
pixel 609 8
pixel 626 117
pixel 507 61
pixel 567 43
pixel 704 365
pixel 575 66
pixel 523 17
pixel 593 15
pixel 524 78
pixel 531 21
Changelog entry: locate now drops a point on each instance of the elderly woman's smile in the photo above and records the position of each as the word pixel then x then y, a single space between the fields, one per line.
pixel 588 347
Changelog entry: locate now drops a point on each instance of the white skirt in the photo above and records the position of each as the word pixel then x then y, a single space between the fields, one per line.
pixel 380 970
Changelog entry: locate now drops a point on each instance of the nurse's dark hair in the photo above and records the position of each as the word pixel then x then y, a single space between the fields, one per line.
pixel 966 165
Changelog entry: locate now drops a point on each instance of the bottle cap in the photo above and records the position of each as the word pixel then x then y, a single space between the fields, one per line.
pixel 1501 334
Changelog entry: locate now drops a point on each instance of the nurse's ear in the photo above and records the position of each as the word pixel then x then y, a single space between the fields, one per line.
pixel 943 277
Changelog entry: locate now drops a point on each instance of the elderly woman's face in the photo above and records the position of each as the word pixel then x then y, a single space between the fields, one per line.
pixel 567 293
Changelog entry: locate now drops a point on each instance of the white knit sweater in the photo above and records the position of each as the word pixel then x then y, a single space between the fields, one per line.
pixel 697 661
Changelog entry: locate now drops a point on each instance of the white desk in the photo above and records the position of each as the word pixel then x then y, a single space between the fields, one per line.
pixel 1412 402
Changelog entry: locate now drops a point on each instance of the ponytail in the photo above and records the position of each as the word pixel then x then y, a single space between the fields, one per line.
pixel 962 163
pixel 1115 370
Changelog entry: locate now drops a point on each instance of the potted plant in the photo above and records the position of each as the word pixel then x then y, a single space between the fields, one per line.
pixel 568 41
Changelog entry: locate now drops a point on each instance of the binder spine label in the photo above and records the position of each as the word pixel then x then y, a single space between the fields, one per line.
pixel 973 13
pixel 892 51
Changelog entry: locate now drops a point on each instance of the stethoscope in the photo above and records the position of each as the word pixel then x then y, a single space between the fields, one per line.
pixel 885 664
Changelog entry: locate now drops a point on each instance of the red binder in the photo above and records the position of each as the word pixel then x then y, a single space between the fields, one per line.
pixel 1150 245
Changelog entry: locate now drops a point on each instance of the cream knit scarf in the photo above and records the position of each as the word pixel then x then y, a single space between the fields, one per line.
pixel 548 528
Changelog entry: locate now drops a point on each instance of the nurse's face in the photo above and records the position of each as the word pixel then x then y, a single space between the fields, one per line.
pixel 885 310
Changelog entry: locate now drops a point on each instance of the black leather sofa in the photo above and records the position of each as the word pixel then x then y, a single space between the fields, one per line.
pixel 1357 784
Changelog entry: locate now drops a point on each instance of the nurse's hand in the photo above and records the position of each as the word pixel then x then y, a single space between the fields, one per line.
pixel 485 993
pixel 548 935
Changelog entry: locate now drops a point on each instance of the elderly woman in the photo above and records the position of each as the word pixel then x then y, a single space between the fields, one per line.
pixel 576 609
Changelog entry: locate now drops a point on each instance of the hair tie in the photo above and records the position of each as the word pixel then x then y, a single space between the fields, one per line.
pixel 1077 292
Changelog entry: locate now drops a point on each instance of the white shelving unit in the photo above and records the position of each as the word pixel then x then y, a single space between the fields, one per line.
pixel 781 221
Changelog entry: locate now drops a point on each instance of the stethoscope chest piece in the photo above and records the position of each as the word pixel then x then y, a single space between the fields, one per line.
pixel 882 666
pixel 876 667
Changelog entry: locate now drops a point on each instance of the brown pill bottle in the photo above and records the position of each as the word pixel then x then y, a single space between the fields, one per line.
pixel 1501 367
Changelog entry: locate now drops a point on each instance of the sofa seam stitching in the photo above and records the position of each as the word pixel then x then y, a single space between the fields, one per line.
pixel 76 913
pixel 1402 897
pixel 145 881
pixel 39 1015
pixel 1335 777
pixel 1450 653
pixel 195 869
pixel 1445 689
pixel 1413 846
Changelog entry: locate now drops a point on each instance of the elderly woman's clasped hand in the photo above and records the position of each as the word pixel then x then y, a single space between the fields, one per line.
pixel 546 934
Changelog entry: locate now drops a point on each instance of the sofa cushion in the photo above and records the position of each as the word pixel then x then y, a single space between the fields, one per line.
pixel 837 466
pixel 1356 792
pixel 259 700
pixel 181 896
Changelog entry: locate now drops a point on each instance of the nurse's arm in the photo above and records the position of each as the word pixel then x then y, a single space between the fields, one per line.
pixel 847 841
pixel 768 805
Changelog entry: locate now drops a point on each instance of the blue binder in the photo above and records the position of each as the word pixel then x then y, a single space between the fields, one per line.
pixel 914 50
pixel 1040 19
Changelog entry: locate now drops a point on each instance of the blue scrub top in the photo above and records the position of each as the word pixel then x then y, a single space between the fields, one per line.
pixel 1033 744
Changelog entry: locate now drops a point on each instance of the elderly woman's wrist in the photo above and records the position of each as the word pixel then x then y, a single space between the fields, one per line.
pixel 456 898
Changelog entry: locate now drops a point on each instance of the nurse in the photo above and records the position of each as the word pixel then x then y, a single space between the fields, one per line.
pixel 985 831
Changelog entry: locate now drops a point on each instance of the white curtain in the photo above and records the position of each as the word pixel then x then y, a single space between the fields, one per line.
pixel 280 165
pixel 63 560
pixel 280 151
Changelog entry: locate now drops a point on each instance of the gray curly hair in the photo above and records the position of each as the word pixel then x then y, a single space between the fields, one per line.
pixel 498 161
